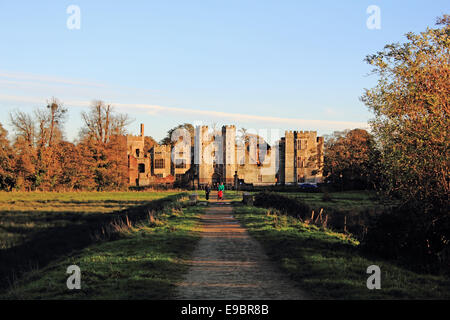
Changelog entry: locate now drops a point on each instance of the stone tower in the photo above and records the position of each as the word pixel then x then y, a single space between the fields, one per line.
pixel 289 156
pixel 204 149
pixel 303 157
pixel 229 153
pixel 138 162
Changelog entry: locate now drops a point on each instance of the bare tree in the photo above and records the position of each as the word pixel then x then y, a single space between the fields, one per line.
pixel 42 124
pixel 23 126
pixel 101 122
pixel 56 117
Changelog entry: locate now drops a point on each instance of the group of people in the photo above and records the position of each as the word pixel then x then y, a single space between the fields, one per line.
pixel 220 190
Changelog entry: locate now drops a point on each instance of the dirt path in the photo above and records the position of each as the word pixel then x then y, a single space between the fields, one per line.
pixel 229 264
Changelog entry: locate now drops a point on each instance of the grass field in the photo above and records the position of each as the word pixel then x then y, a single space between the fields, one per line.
pixel 344 201
pixel 355 201
pixel 36 228
pixel 23 214
pixel 144 263
pixel 329 265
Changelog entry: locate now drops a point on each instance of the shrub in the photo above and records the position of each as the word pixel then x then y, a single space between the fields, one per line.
pixel 290 206
pixel 410 232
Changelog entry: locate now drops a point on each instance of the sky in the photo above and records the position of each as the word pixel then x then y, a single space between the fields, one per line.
pixel 283 65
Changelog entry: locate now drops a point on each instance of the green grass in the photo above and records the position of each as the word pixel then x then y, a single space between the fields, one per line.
pixel 231 195
pixel 329 265
pixel 351 201
pixel 24 214
pixel 38 227
pixel 145 263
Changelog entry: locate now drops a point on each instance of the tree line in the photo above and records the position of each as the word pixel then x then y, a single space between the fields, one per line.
pixel 39 158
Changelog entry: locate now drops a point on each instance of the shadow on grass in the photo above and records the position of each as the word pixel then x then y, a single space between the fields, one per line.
pixel 144 265
pixel 330 266
pixel 77 232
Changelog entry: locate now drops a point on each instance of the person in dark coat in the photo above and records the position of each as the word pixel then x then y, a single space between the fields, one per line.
pixel 207 191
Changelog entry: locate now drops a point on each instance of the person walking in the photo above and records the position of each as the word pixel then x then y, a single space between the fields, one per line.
pixel 221 189
pixel 207 191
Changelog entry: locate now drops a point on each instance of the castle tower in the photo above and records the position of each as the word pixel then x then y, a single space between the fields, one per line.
pixel 289 158
pixel 308 154
pixel 138 160
pixel 204 149
pixel 229 153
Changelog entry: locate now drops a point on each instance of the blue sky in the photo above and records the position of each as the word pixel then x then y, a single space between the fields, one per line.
pixel 257 64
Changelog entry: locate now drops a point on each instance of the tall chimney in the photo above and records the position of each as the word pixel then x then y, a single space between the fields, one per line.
pixel 142 129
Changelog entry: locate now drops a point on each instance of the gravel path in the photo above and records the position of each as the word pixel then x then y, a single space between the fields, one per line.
pixel 229 264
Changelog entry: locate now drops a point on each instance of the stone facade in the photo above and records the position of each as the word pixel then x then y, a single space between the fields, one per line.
pixel 303 157
pixel 219 156
pixel 161 161
pixel 138 160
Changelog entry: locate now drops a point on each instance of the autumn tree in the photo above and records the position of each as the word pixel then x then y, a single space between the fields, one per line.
pixel 351 160
pixel 75 166
pixel 7 176
pixel 25 164
pixel 411 106
pixel 103 133
pixel 49 123
pixel 36 135
pixel 25 150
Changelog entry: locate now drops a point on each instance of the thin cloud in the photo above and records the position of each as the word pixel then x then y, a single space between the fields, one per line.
pixel 247 117
pixel 33 84
pixel 219 115
pixel 27 80
pixel 41 101
pixel 49 79
pixel 11 98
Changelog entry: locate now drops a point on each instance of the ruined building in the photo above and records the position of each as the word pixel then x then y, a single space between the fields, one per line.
pixel 223 156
